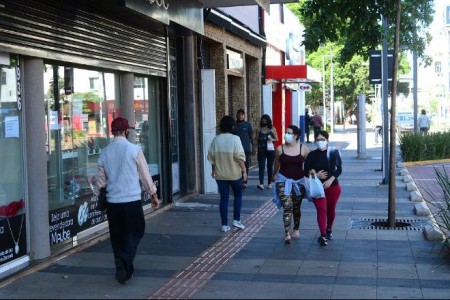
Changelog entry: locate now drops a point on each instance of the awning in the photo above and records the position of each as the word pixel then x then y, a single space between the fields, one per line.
pixel 265 4
pixel 292 74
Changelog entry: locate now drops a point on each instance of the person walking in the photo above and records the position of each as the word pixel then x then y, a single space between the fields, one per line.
pixel 317 122
pixel 308 123
pixel 244 130
pixel 325 163
pixel 424 122
pixel 265 136
pixel 227 158
pixel 290 184
pixel 122 168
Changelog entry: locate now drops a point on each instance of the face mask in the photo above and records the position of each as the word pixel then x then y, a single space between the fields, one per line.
pixel 321 144
pixel 288 137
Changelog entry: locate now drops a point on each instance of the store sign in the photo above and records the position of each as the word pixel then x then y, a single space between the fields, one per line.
pixel 12 238
pixel 187 13
pixel 447 16
pixel 234 61
pixel 67 222
pixel 19 83
pixel 304 87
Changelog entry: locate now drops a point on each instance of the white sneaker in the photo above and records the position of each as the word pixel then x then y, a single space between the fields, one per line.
pixel 225 228
pixel 238 224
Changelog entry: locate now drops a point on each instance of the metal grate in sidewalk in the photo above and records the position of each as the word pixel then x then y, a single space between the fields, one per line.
pixel 188 281
pixel 373 223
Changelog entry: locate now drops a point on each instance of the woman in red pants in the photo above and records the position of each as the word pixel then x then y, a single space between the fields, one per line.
pixel 325 163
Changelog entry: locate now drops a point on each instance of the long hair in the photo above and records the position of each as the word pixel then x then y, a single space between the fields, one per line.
pixel 268 119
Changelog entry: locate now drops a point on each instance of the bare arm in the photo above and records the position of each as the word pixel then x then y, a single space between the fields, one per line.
pixel 275 138
pixel 276 163
pixel 243 169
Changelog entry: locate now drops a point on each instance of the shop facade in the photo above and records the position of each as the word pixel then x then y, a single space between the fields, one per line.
pixel 67 70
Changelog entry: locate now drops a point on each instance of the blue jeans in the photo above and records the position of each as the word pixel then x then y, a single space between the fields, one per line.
pixel 224 190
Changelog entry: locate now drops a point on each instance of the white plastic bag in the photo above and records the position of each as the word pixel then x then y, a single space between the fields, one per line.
pixel 270 146
pixel 315 187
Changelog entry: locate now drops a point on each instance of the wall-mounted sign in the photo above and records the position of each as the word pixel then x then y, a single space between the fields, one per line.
pixel 235 62
pixel 19 83
pixel 304 87
pixel 447 16
pixel 187 13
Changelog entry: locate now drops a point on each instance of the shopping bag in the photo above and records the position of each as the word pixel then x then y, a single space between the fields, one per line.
pixel 315 187
pixel 270 146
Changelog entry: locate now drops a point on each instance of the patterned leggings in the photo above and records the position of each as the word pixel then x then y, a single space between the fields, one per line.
pixel 291 207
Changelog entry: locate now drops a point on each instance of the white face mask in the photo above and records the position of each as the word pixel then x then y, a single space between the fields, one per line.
pixel 288 137
pixel 322 144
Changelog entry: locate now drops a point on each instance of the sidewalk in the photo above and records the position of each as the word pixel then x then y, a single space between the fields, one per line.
pixel 184 254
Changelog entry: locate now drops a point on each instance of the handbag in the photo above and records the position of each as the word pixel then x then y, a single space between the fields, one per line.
pixel 101 199
pixel 315 187
pixel 270 146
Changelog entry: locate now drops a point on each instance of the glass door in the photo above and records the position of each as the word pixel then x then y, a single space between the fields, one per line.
pixel 80 105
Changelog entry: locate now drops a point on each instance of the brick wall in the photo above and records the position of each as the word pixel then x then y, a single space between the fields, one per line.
pixel 220 40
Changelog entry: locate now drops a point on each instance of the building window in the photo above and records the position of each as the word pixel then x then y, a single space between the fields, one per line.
pixel 93 83
pixel 139 82
pixel 437 67
pixel 3 78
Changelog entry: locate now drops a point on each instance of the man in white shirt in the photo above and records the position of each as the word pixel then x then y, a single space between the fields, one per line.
pixel 122 168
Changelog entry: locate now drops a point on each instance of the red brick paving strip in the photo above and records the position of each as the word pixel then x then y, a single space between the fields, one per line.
pixel 188 281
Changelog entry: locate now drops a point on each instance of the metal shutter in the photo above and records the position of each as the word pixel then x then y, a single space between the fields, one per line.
pixel 65 30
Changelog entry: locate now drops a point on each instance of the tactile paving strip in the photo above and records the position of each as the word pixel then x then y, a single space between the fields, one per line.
pixel 188 281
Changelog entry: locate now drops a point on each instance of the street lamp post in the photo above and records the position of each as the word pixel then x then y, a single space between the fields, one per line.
pixel 331 93
pixel 324 95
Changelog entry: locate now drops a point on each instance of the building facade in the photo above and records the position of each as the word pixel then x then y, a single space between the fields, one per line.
pixel 67 70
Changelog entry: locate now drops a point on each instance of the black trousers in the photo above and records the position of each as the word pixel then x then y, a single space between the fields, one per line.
pixel 126 228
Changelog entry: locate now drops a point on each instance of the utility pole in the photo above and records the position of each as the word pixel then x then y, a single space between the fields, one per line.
pixel 331 92
pixel 384 90
pixel 324 94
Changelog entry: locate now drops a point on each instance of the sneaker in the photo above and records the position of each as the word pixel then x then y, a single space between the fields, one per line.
pixel 322 241
pixel 226 228
pixel 329 234
pixel 269 186
pixel 121 272
pixel 238 224
pixel 260 186
pixel 295 233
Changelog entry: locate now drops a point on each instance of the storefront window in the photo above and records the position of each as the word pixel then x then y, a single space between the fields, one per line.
pixel 12 204
pixel 80 105
pixel 147 128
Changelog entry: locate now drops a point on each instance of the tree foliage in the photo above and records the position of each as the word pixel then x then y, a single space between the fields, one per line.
pixel 349 80
pixel 356 25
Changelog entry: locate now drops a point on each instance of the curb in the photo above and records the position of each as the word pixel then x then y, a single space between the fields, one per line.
pixel 432 232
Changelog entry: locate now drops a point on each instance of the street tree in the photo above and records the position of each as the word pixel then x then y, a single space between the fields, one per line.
pixel 349 80
pixel 356 26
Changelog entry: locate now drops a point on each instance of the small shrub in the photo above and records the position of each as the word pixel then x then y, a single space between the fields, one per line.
pixel 434 146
